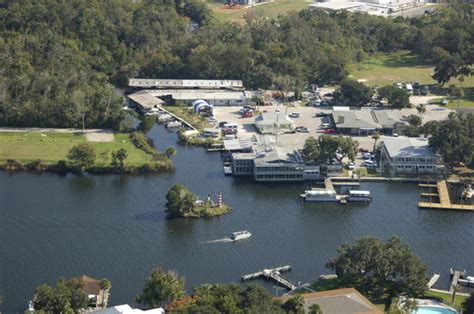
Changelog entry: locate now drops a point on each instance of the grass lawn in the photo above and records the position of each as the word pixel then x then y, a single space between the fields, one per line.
pixel 383 69
pixel 271 9
pixel 52 147
pixel 446 297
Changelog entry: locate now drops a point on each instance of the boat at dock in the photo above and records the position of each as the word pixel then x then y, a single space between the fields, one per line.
pixel 174 124
pixel 320 195
pixel 240 235
pixel 359 196
pixel 467 193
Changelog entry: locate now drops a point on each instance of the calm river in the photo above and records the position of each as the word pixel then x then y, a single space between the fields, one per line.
pixel 114 227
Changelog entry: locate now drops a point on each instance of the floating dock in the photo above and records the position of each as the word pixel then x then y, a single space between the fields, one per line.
pixel 442 192
pixel 273 274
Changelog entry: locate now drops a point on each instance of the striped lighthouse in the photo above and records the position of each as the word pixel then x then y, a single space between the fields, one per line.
pixel 219 199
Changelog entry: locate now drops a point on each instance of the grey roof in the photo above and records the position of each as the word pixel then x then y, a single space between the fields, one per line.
pixel 278 155
pixel 407 147
pixel 388 118
pixel 146 100
pixel 355 119
pixel 243 156
pixel 237 144
pixel 270 118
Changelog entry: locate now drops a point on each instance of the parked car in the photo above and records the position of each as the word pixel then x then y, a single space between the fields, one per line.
pixel 367 156
pixel 395 134
pixel 294 115
pixel 320 115
pixel 351 166
pixel 326 126
pixel 328 95
pixel 444 102
pixel 222 123
pixel 363 150
pixel 425 90
pixel 302 129
pixel 329 131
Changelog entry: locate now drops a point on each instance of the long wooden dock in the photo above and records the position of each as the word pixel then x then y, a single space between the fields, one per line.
pixel 441 187
pixel 433 281
pixel 273 274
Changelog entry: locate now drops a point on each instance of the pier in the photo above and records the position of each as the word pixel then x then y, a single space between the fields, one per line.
pixel 440 191
pixel 456 275
pixel 273 274
pixel 433 281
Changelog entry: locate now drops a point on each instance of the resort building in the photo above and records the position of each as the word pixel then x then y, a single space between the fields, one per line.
pixel 347 301
pixel 275 164
pixel 274 122
pixel 181 84
pixel 405 155
pixel 372 7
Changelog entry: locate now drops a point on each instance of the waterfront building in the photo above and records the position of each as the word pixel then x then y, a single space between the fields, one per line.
pixel 274 164
pixel 364 122
pixel 405 155
pixel 98 297
pixel 347 301
pixel 170 83
pixel 274 122
pixel 127 309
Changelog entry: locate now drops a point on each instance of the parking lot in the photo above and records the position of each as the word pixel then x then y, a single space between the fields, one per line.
pixel 246 128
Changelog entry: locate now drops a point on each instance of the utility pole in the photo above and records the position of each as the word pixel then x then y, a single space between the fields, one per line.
pixel 83 124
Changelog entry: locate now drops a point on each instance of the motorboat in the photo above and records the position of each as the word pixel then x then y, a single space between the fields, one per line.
pixel 240 235
pixel 467 193
pixel 359 196
pixel 320 195
pixel 173 124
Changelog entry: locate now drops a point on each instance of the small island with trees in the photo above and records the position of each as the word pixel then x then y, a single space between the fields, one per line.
pixel 183 203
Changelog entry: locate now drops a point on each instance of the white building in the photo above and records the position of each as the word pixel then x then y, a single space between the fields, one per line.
pixel 170 83
pixel 405 155
pixel 372 7
pixel 127 309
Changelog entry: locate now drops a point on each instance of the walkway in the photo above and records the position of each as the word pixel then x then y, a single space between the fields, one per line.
pixel 444 199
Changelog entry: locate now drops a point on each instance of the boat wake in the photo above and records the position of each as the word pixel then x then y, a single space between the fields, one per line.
pixel 223 240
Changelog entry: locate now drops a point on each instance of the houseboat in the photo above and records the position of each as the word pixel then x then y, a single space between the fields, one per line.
pixel 320 195
pixel 467 193
pixel 359 196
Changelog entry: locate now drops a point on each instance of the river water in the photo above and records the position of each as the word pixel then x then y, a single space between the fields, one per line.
pixel 115 227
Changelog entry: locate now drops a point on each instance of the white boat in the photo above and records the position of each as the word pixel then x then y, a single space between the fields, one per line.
pixel 227 170
pixel 320 195
pixel 359 196
pixel 173 124
pixel 239 235
pixel 467 193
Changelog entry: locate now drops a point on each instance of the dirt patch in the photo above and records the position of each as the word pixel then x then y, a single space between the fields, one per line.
pixel 100 136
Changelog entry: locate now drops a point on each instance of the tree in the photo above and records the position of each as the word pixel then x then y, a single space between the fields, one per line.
pixel 410 306
pixel 294 305
pixel 180 201
pixel 456 289
pixel 397 98
pixel 375 137
pixel 347 148
pixel 353 93
pixel 161 287
pixel 381 265
pixel 105 286
pixel 456 92
pixel 66 297
pixel 170 151
pixel 82 155
pixel 311 153
pixel 421 108
pixel 468 305
pixel 119 157
pixel 315 309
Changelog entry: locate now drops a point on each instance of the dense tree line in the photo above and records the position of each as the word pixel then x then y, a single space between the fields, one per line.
pixel 59 59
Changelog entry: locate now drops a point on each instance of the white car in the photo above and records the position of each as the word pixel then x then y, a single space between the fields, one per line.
pixel 294 115
pixel 351 166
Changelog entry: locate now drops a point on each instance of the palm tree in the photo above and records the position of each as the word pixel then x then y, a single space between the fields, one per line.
pixel 456 289
pixel 170 151
pixel 376 137
pixel 105 286
pixel 294 304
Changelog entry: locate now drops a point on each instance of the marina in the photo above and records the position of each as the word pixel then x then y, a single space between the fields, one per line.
pixel 440 193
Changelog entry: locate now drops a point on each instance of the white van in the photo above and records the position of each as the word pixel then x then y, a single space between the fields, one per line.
pixel 230 126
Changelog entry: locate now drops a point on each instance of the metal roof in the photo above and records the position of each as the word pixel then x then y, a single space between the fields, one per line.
pixel 407 147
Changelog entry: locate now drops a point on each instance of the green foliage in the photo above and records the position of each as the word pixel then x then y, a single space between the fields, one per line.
pixel 228 298
pixel 118 158
pixel 294 305
pixel 311 152
pixel 353 93
pixel 161 287
pixel 82 155
pixel 170 151
pixel 468 304
pixel 453 138
pixel 325 148
pixel 397 97
pixel 141 141
pixel 66 297
pixel 381 265
pixel 315 309
pixel 180 201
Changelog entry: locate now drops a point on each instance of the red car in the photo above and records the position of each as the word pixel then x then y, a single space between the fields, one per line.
pixel 329 131
pixel 363 150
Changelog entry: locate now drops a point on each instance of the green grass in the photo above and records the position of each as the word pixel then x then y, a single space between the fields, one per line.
pixel 271 10
pixel 187 114
pixel 52 147
pixel 446 298
pixel 383 69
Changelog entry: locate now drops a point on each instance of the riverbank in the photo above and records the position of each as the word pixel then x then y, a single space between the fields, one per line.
pixel 39 151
